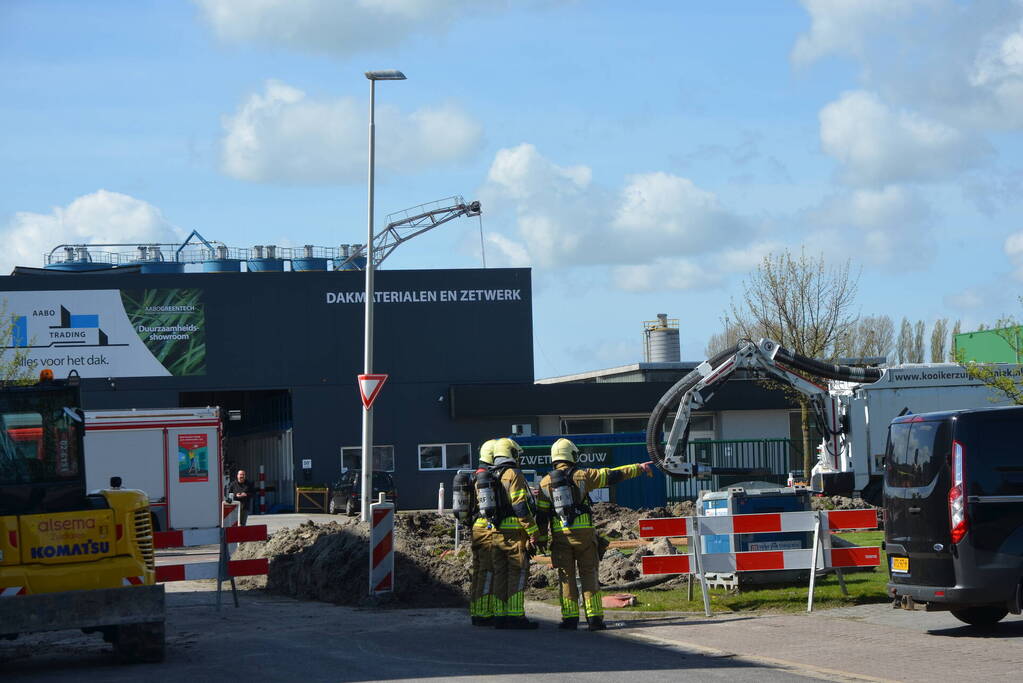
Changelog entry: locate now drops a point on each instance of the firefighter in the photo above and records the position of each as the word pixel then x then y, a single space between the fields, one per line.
pixel 564 502
pixel 516 536
pixel 481 598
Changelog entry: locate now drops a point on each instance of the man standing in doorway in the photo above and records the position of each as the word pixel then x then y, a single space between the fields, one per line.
pixel 243 491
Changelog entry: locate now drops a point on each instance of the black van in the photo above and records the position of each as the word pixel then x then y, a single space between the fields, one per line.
pixel 953 500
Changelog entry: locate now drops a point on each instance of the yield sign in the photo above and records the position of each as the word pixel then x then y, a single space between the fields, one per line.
pixel 369 387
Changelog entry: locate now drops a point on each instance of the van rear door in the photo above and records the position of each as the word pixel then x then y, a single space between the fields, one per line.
pixel 917 481
pixel 993 455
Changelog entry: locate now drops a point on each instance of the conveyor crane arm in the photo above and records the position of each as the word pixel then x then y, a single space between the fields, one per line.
pixel 767 358
pixel 412 222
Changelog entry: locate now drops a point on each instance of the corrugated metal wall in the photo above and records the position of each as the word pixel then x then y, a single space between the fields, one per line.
pixel 273 450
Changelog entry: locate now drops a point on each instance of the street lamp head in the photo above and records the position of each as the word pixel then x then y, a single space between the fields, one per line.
pixel 386 75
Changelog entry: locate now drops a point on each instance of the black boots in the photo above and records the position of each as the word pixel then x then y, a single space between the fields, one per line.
pixel 515 623
pixel 596 623
pixel 569 624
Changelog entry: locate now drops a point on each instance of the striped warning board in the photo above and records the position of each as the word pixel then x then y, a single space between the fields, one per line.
pixel 381 548
pixel 194 571
pixel 763 560
pixel 771 522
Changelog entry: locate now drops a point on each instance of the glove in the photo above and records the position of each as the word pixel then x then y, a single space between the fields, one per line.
pixel 647 467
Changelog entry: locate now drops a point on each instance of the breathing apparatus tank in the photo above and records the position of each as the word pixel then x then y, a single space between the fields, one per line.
pixel 561 496
pixel 486 495
pixel 461 497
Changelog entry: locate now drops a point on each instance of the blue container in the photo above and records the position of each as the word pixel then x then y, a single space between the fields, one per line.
pixel 308 265
pixel 78 266
pixel 222 265
pixel 160 266
pixel 266 265
pixel 355 264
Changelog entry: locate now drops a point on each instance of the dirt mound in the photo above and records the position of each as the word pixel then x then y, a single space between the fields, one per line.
pixel 839 503
pixel 329 562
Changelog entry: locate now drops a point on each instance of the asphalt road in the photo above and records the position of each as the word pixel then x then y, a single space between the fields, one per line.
pixel 277 639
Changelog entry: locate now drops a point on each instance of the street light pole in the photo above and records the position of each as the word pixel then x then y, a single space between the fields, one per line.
pixel 367 413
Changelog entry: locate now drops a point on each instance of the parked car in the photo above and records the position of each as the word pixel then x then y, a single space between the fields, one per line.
pixel 953 496
pixel 346 491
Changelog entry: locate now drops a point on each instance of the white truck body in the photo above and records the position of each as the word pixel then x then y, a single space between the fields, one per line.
pixel 917 388
pixel 174 455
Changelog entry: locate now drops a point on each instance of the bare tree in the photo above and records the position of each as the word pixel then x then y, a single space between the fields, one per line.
pixel 725 339
pixel 804 305
pixel 918 341
pixel 905 345
pixel 875 336
pixel 952 354
pixel 939 338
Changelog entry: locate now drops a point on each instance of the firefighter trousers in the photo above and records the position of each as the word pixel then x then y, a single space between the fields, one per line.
pixel 511 571
pixel 572 551
pixel 481 590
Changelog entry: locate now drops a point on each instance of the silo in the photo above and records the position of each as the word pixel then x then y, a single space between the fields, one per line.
pixel 344 260
pixel 308 261
pixel 265 260
pixel 77 259
pixel 661 342
pixel 151 260
pixel 222 263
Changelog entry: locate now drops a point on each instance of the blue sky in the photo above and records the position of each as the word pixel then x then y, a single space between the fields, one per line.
pixel 641 157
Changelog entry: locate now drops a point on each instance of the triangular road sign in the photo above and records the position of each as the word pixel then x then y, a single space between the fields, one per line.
pixel 369 387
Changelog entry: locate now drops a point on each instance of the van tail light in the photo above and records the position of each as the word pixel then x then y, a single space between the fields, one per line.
pixel 957 496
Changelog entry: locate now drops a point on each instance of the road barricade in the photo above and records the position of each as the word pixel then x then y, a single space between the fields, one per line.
pixel 381 547
pixel 223 568
pixel 821 557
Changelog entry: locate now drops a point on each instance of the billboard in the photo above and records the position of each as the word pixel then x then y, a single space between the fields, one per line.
pixel 109 332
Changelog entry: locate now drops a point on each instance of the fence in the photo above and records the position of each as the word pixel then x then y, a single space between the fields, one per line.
pixel 766 454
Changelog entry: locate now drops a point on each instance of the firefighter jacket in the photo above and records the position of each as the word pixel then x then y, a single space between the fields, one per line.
pixel 584 480
pixel 519 506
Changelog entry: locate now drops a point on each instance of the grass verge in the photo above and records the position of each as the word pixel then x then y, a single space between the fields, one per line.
pixel 864 588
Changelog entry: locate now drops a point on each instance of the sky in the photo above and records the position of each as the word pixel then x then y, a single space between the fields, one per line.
pixel 641 158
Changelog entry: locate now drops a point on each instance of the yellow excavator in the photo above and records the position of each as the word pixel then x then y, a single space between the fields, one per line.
pixel 70 558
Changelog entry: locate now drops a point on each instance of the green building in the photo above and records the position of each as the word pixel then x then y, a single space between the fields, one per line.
pixel 991 346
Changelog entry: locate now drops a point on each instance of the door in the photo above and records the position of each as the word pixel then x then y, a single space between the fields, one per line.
pixel 193 477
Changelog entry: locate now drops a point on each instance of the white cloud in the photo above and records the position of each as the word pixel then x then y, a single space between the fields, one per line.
pixel 281 135
pixel 876 227
pixel 100 217
pixel 329 26
pixel 665 273
pixel 845 26
pixel 1014 251
pixel 966 300
pixel 878 145
pixel 562 218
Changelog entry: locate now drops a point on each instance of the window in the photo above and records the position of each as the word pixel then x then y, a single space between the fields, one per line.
pixel 592 425
pixel 383 458
pixel 37 447
pixel 445 456
pixel 630 424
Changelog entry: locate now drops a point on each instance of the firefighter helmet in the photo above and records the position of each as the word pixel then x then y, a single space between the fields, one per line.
pixel 487 452
pixel 507 448
pixel 564 450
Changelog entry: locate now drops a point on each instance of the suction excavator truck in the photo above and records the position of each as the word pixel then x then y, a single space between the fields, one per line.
pixel 852 406
pixel 70 559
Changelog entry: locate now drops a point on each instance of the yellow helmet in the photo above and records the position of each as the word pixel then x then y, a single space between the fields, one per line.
pixel 507 448
pixel 487 452
pixel 563 450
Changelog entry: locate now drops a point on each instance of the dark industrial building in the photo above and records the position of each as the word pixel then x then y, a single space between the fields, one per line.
pixel 280 352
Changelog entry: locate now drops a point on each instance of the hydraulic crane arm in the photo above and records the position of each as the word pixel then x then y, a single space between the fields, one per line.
pixel 415 221
pixel 765 357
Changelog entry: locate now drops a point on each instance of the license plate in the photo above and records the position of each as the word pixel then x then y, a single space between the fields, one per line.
pixel 900 565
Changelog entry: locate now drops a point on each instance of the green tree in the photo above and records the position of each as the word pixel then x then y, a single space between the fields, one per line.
pixel 1002 380
pixel 13 360
pixel 804 305
pixel 905 344
pixel 939 338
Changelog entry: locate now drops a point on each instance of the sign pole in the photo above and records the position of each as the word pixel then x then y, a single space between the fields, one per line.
pixel 367 413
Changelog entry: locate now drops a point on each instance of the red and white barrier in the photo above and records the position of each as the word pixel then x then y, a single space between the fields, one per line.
pixel 11 591
pixel 381 547
pixel 221 569
pixel 820 556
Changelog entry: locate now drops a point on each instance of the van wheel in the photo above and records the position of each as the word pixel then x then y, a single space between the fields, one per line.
pixel 980 616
